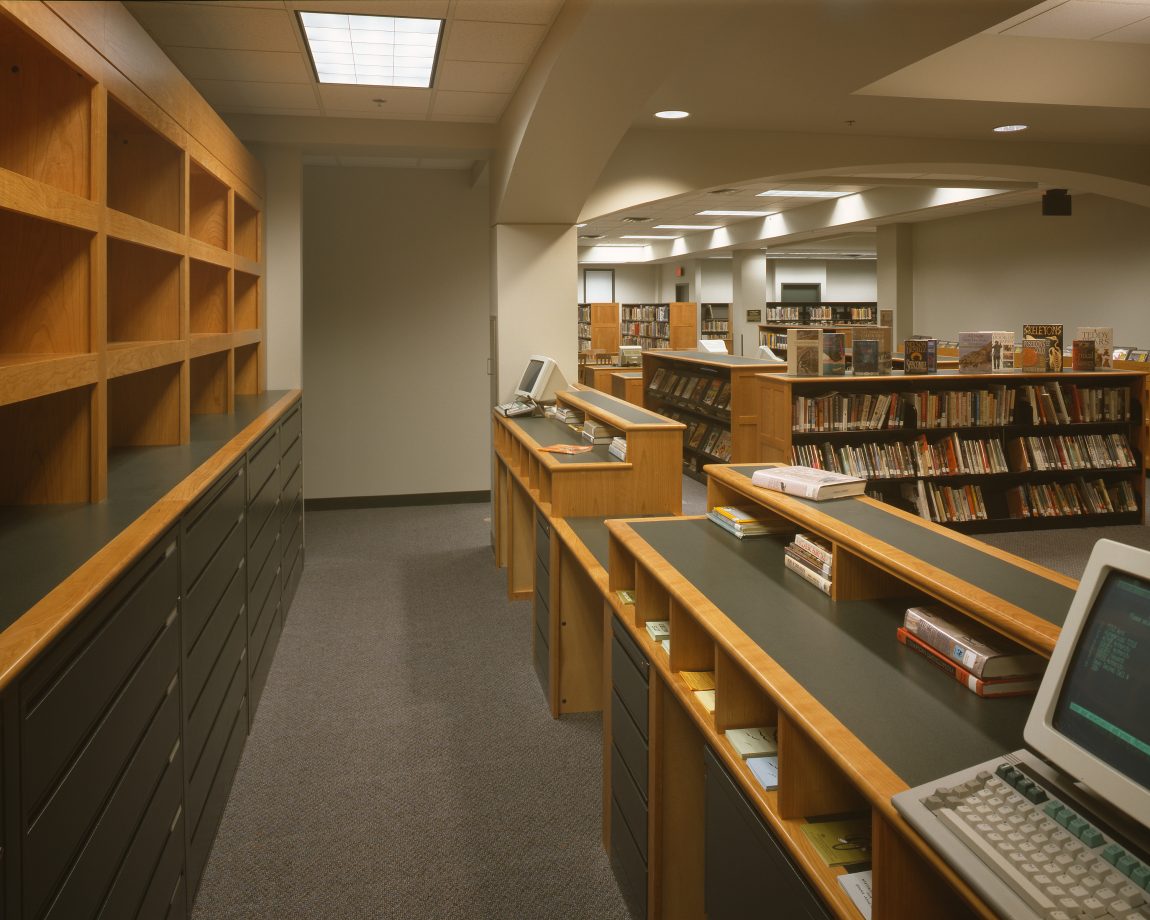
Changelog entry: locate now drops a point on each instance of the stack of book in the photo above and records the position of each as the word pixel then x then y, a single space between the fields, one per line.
pixel 745 522
pixel 979 659
pixel 660 633
pixel 760 749
pixel 566 414
pixel 597 433
pixel 810 557
pixel 618 447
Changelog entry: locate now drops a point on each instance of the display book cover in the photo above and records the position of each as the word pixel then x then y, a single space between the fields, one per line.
pixel 807 482
pixel 833 361
pixel 1002 686
pixel 865 342
pixel 976 648
pixel 920 356
pixel 1103 339
pixel 1051 334
pixel 1083 355
pixel 804 349
pixel 975 352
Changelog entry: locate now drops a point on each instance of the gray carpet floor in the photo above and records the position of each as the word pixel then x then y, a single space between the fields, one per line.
pixel 402 762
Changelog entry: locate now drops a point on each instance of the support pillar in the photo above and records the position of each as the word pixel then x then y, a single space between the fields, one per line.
pixel 894 247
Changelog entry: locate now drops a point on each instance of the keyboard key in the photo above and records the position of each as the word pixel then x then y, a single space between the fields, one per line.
pixel 1141 876
pixel 1132 894
pixel 1126 864
pixel 1111 853
pixel 1093 907
pixel 1092 837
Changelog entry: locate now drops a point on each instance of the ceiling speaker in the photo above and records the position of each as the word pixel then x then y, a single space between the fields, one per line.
pixel 1056 203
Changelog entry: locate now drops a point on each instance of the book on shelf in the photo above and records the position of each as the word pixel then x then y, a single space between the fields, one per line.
pixel 818 547
pixel 1001 351
pixel 712 440
pixel 1063 499
pixel 1051 334
pixel 765 771
pixel 920 356
pixel 618 447
pixel 747 521
pixel 626 596
pixel 706 699
pixel 998 687
pixel 712 392
pixel 723 399
pixel 833 354
pixel 1138 354
pixel 857 885
pixel 665 644
pixel 879 334
pixel 723 446
pixel 804 352
pixel 946 504
pixel 1082 355
pixel 1120 352
pixel 1103 338
pixel 806 482
pixel 658 630
pixel 864 358
pixel 760 741
pixel 814 563
pixel 822 582
pixel 658 378
pixel 975 352
pixel 976 648
pixel 699 680
pixel 840 841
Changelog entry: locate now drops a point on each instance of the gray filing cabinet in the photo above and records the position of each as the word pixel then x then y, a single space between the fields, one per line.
pixel 541 640
pixel 630 671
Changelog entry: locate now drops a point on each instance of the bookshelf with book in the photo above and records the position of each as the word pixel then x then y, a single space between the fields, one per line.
pixel 833 316
pixel 715 323
pixel 1124 364
pixel 978 452
pixel 659 325
pixel 715 398
pixel 815 682
pixel 598 327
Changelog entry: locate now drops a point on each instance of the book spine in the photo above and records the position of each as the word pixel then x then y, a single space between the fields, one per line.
pixel 823 584
pixel 813 548
pixel 945 639
pixel 943 664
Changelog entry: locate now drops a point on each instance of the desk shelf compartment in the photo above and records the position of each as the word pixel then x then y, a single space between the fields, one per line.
pixel 48 449
pixel 143 294
pixel 246 374
pixel 144 408
pixel 47 107
pixel 246 230
pixel 208 297
pixel 247 300
pixel 145 169
pixel 210 386
pixel 207 207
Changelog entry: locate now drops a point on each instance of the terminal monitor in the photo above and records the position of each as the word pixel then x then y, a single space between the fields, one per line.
pixel 541 378
pixel 630 355
pixel 716 346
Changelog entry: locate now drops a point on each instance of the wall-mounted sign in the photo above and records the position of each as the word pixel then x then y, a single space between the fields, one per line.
pixel 754 316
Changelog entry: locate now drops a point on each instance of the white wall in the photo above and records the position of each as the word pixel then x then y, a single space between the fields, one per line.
pixel 715 281
pixel 633 283
pixel 1000 269
pixel 798 271
pixel 848 279
pixel 395 331
pixel 283 282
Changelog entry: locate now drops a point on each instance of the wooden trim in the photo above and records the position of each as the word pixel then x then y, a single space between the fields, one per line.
pixel 611 418
pixel 29 376
pixel 396 501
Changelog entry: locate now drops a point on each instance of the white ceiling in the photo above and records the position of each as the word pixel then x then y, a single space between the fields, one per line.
pixel 248 56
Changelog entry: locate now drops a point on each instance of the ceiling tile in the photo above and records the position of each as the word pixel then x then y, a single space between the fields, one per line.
pixel 232 94
pixel 478 76
pixel 467 119
pixel 539 12
pixel 492 41
pixel 425 9
pixel 248 66
pixel 436 163
pixel 484 104
pixel 401 102
pixel 1138 33
pixel 186 25
pixel 1081 19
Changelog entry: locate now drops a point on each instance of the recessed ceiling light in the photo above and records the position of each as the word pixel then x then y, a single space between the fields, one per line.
pixel 799 193
pixel 640 236
pixel 734 213
pixel 688 227
pixel 580 225
pixel 672 113
pixel 590 236
pixel 372 50
pixel 1008 129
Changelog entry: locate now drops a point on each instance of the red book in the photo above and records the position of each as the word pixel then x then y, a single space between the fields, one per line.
pixel 1004 686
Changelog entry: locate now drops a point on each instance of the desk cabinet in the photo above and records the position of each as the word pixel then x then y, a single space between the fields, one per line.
pixel 629 761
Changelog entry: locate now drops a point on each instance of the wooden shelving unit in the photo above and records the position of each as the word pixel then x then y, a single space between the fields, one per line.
pixel 131 251
pixel 953 438
pixel 715 323
pixel 598 328
pixel 830 316
pixel 659 325
pixel 730 417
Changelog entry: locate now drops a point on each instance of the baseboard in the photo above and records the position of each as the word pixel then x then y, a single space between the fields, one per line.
pixel 395 501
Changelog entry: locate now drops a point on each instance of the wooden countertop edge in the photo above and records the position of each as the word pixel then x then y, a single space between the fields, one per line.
pixel 759 367
pixel 1016 374
pixel 1015 622
pixel 866 770
pixel 549 460
pixel 41 623
pixel 583 556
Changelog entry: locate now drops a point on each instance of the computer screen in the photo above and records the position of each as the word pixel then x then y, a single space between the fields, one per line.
pixel 1091 717
pixel 718 346
pixel 541 378
pixel 530 376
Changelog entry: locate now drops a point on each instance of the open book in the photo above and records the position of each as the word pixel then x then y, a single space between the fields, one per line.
pixel 807 482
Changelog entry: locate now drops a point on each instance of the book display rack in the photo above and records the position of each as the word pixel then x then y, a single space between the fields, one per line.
pixel 598 328
pixel 535 489
pixel 714 396
pixel 976 452
pixel 133 291
pixel 659 325
pixel 824 673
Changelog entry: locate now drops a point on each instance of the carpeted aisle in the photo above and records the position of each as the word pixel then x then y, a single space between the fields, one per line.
pixel 402 762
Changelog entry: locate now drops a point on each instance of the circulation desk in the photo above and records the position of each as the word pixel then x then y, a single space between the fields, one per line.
pixel 534 489
pixel 859 717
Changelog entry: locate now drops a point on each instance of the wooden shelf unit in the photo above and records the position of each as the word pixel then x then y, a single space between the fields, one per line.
pixel 781 441
pixel 740 418
pixel 715 323
pixel 1143 368
pixel 599 376
pixel 774 335
pixel 598 328
pixel 772 670
pixel 830 312
pixel 132 246
pixel 659 325
pixel 535 489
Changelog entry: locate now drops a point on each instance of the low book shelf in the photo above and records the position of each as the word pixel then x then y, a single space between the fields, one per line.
pixel 978 452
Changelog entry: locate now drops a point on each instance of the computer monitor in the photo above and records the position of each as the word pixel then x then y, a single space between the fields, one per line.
pixel 1091 717
pixel 540 379
pixel 767 355
pixel 717 346
pixel 630 355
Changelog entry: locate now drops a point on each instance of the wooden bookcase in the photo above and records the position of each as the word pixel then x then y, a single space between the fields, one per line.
pixel 598 328
pixel 715 323
pixel 1143 368
pixel 800 669
pixel 991 461
pixel 130 219
pixel 733 423
pixel 659 325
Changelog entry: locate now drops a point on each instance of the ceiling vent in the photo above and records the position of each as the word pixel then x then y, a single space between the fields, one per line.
pixel 636 220
pixel 722 191
pixel 590 236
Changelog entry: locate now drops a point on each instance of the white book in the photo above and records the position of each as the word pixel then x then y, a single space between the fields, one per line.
pixel 857 886
pixel 659 630
pixel 707 698
pixel 819 581
pixel 807 482
pixel 766 771
pixel 753 742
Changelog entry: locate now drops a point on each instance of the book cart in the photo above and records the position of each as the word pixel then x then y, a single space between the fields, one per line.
pixel 721 429
pixel 859 717
pixel 534 489
pixel 980 452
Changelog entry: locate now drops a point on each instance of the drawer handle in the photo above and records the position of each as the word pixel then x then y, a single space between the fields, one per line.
pixel 171 549
pixel 171 618
pixel 174 751
pixel 172 685
pixel 175 820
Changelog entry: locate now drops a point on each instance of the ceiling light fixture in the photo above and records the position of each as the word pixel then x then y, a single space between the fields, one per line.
pixel 672 113
pixel 734 213
pixel 1010 129
pixel 799 193
pixel 688 227
pixel 372 50
pixel 640 236
pixel 635 220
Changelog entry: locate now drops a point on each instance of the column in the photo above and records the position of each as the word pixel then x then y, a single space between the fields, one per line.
pixel 748 292
pixel 894 247
pixel 283 281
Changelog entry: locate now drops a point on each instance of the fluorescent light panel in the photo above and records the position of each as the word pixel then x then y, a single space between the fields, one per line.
pixel 735 213
pixel 645 236
pixel 799 193
pixel 688 227
pixel 372 50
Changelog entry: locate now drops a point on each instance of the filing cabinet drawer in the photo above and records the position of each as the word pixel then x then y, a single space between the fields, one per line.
pixel 628 865
pixel 291 427
pixel 543 539
pixel 290 465
pixel 201 658
pixel 202 600
pixel 543 662
pixel 203 711
pixel 208 522
pixel 543 581
pixel 630 647
pixel 263 461
pixel 632 746
pixel 261 510
pixel 630 801
pixel 543 617
pixel 630 684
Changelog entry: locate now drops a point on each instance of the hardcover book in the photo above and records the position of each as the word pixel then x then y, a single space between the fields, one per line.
pixel 659 630
pixel 803 352
pixel 1052 334
pixel 1002 352
pixel 840 842
pixel 1003 686
pixel 1032 355
pixel 766 771
pixel 1103 338
pixel 753 742
pixel 979 650
pixel 864 358
pixel 834 354
pixel 975 352
pixel 1082 355
pixel 920 356
pixel 807 482
pixel 880 334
